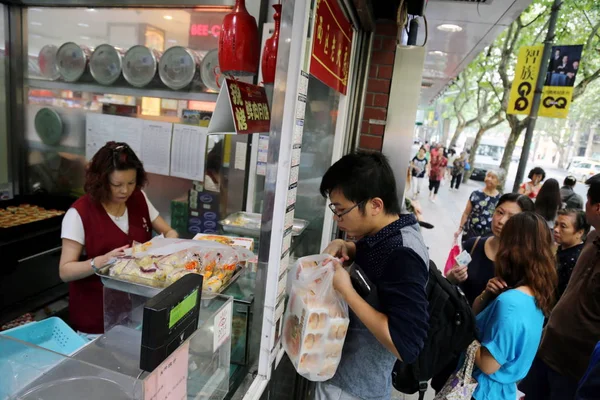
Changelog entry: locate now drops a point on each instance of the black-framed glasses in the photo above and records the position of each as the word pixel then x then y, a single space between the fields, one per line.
pixel 340 215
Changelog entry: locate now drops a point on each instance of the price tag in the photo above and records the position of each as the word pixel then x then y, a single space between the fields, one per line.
pixel 298 131
pixel 222 327
pixel 169 380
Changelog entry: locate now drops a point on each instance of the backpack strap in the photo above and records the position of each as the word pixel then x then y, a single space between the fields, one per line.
pixel 475 245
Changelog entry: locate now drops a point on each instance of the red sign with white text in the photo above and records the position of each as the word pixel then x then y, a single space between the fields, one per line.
pixel 332 44
pixel 249 106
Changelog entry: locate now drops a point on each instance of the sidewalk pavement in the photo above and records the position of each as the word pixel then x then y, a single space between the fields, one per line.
pixel 445 215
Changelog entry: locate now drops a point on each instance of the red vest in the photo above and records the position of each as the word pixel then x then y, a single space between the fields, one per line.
pixel 102 235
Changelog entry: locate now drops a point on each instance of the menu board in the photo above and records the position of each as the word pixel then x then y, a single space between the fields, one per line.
pixel 102 128
pixel 156 146
pixel 188 151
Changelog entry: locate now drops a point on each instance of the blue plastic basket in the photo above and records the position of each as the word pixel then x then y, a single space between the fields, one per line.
pixel 52 334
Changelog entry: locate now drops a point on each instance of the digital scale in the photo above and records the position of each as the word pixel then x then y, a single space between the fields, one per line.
pixel 170 318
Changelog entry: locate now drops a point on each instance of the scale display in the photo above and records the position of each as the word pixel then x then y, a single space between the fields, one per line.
pixel 170 318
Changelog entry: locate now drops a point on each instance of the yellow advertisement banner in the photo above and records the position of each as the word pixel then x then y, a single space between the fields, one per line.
pixel 556 101
pixel 526 73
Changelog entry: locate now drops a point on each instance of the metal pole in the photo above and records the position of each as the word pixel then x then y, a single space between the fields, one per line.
pixel 537 97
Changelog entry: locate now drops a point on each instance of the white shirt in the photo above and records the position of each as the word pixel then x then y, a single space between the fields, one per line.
pixel 72 225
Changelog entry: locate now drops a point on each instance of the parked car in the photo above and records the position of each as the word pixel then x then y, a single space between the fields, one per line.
pixel 584 170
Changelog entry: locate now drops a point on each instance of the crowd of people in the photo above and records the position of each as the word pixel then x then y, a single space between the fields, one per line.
pixel 533 280
pixel 437 164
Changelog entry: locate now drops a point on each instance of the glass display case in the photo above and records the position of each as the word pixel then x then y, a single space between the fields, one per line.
pixel 109 367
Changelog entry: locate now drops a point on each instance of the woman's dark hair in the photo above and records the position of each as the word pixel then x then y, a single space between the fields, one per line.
pixel 537 171
pixel 524 202
pixel 114 156
pixel 363 176
pixel 525 257
pixel 548 200
pixel 581 223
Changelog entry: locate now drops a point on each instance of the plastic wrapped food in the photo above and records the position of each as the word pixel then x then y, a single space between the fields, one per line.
pixel 217 265
pixel 316 319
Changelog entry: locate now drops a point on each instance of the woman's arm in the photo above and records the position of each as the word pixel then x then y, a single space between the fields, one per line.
pixel 71 269
pixel 525 189
pixel 486 362
pixel 161 227
pixel 463 219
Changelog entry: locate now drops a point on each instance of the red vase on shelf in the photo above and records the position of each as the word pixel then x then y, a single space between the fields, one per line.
pixel 239 44
pixel 269 59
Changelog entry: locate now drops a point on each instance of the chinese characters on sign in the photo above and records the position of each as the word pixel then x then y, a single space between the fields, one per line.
pixel 332 44
pixel 249 106
pixel 526 73
pixel 169 380
pixel 560 79
pixel 222 326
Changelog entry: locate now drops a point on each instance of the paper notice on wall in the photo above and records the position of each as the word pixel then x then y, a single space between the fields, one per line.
pixel 240 156
pixel 169 380
pixel 102 128
pixel 188 151
pixel 156 146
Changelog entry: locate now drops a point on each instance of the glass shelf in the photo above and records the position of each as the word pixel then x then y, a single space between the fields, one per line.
pixel 162 93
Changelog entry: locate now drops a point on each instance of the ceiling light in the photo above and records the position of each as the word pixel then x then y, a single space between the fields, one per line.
pixel 168 17
pixel 85 37
pixel 81 24
pixel 36 23
pixel 438 53
pixel 36 9
pixel 449 28
pixel 91 10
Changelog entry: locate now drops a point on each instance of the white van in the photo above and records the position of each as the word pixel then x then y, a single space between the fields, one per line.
pixel 585 169
pixel 488 156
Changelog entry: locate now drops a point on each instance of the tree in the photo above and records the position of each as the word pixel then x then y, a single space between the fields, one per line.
pixel 489 107
pixel 575 25
pixel 459 104
pixel 578 22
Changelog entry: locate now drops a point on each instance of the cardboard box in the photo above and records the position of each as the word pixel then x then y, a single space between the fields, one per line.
pixel 246 243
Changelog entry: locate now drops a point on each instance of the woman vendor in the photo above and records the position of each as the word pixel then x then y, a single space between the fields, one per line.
pixel 112 214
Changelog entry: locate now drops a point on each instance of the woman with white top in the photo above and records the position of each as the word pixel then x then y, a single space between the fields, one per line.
pixel 112 214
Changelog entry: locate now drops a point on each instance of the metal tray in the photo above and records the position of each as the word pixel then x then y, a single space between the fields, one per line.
pixel 248 224
pixel 145 287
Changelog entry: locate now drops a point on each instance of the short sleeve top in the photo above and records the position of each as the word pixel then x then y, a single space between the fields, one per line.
pixel 483 206
pixel 511 330
pixel 72 225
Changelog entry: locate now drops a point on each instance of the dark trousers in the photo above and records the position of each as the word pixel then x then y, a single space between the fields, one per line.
pixel 456 180
pixel 543 383
pixel 434 185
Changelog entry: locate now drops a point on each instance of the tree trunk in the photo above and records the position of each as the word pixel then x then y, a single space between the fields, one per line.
pixel 457 132
pixel 562 153
pixel 476 143
pixel 516 127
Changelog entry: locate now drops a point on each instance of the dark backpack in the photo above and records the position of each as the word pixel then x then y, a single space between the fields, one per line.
pixel 451 329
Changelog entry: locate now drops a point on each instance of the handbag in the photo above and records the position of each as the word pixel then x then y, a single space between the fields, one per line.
pixel 461 384
pixel 454 251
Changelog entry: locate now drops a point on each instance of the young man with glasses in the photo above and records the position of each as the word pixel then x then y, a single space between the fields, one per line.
pixel 390 321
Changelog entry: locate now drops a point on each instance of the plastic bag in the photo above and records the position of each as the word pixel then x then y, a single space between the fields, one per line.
pixel 316 319
pixel 454 251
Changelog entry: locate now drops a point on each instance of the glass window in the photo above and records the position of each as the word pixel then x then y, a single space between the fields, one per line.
pixel 317 151
pixel 57 166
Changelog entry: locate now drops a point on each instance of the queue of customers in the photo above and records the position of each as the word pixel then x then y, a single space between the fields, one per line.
pixel 521 266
